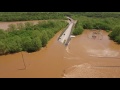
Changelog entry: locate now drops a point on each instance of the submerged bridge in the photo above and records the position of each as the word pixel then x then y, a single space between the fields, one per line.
pixel 65 37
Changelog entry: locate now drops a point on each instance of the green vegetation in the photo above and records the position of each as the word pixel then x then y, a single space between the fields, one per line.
pixel 95 14
pixel 94 23
pixel 78 28
pixel 25 16
pixel 108 21
pixel 115 34
pixel 29 37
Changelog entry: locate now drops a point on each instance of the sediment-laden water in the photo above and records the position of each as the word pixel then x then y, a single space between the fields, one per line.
pixel 84 57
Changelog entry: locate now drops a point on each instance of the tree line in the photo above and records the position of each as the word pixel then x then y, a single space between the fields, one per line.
pixel 28 37
pixel 25 16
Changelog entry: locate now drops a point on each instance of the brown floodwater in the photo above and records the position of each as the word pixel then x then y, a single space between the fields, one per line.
pixel 5 25
pixel 45 63
pixel 92 58
pixel 84 57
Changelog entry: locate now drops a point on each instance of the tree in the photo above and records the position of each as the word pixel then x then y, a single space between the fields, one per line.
pixel 3 34
pixel 2 48
pixel 37 44
pixel 87 24
pixel 12 27
pixel 50 33
pixel 117 38
pixel 44 38
pixel 115 32
pixel 28 25
pixel 78 30
pixel 20 26
pixel 27 43
pixel 35 33
pixel 13 44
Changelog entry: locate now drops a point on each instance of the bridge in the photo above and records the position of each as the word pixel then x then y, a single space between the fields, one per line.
pixel 65 37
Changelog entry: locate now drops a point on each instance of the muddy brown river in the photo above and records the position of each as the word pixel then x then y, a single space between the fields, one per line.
pixel 84 57
pixel 5 25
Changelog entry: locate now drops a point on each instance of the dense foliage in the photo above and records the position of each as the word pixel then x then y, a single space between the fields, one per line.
pixel 24 16
pixel 115 34
pixel 28 37
pixel 78 28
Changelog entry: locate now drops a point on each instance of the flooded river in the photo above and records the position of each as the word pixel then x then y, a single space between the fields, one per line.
pixel 84 57
pixel 5 25
pixel 92 58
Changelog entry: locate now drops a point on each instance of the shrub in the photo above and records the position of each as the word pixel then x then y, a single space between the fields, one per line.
pixel 12 27
pixel 115 32
pixel 29 37
pixel 117 38
pixel 87 24
pixel 13 44
pixel 3 34
pixel 78 30
pixel 44 38
pixel 2 48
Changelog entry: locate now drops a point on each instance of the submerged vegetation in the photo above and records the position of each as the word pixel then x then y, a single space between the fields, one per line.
pixel 28 37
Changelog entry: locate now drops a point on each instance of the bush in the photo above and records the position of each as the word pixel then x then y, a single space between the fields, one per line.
pixel 44 38
pixel 50 33
pixel 20 26
pixel 87 24
pixel 115 32
pixel 28 25
pixel 27 44
pixel 29 37
pixel 37 44
pixel 2 48
pixel 3 34
pixel 117 39
pixel 101 25
pixel 13 44
pixel 12 27
pixel 78 30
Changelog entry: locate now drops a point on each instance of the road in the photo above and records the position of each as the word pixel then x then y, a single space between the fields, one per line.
pixel 65 36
